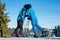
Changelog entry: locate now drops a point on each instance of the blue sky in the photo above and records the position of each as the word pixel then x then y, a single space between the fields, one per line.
pixel 47 11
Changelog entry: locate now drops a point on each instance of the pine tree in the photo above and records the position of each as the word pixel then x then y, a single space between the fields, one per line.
pixel 3 20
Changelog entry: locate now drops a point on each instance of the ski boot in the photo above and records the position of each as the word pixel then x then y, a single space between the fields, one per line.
pixel 35 35
pixel 19 35
pixel 14 35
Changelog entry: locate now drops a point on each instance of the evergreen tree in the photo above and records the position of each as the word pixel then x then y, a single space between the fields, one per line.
pixel 4 30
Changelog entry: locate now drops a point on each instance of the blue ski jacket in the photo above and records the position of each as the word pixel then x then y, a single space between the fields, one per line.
pixel 22 14
pixel 31 13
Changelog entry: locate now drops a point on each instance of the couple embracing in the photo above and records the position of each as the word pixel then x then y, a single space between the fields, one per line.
pixel 28 12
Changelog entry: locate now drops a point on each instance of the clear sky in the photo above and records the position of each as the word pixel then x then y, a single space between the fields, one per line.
pixel 47 11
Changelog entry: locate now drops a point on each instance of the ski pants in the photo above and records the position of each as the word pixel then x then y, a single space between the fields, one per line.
pixel 35 24
pixel 19 26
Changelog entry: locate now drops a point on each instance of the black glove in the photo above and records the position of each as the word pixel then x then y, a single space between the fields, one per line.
pixel 29 18
pixel 26 15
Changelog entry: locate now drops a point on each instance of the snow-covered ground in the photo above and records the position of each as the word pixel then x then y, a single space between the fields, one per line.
pixel 15 38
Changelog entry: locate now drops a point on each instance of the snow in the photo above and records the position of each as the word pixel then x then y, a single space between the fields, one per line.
pixel 15 38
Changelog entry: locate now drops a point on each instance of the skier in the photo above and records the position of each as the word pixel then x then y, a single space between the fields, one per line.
pixel 33 18
pixel 21 17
